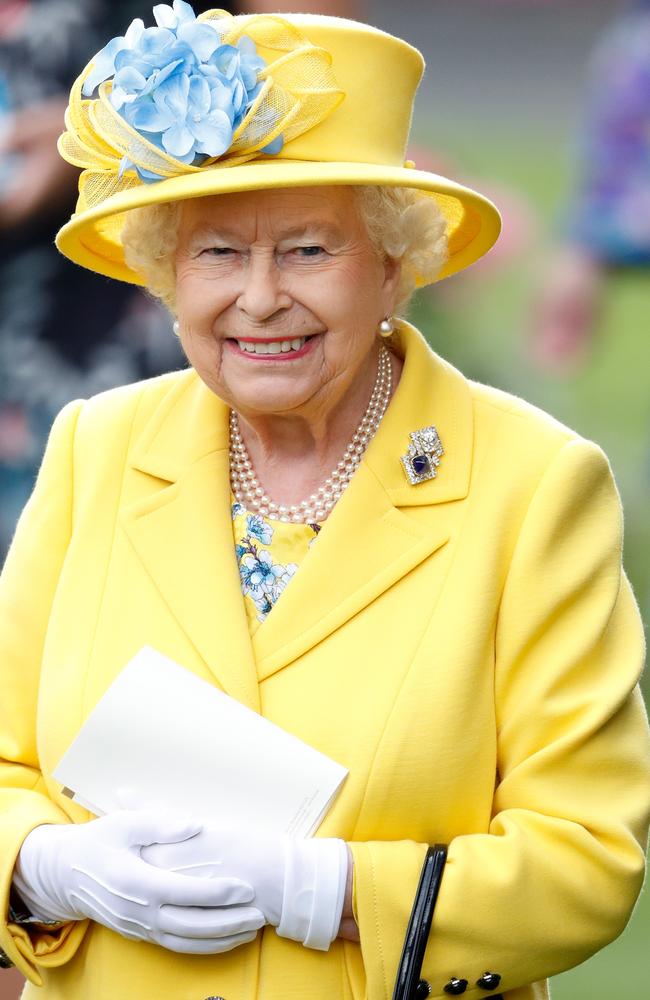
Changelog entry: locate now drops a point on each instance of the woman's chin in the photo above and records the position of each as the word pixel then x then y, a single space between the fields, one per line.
pixel 268 404
pixel 267 388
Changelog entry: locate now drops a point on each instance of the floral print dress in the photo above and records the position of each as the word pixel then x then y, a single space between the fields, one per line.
pixel 268 554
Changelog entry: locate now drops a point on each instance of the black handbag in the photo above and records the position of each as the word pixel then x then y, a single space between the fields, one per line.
pixel 408 985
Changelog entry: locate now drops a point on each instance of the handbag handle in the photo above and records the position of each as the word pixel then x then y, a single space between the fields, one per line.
pixel 407 982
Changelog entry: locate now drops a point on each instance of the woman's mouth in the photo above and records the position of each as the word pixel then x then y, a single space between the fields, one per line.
pixel 272 350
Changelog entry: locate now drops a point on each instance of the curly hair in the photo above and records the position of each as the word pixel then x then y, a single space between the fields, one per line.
pixel 402 223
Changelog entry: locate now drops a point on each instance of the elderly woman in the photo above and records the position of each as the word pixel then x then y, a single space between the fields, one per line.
pixel 417 575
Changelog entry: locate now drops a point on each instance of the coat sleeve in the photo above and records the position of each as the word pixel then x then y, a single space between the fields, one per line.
pixel 27 589
pixel 558 873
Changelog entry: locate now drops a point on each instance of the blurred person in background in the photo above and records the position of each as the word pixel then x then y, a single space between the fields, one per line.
pixel 589 321
pixel 608 230
pixel 63 331
pixel 48 306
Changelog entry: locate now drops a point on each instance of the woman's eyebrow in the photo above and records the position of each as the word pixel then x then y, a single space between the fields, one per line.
pixel 206 232
pixel 312 229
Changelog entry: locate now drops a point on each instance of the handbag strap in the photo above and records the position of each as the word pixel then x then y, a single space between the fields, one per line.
pixel 417 932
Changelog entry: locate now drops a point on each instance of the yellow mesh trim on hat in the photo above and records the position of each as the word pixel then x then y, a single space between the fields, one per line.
pixel 95 186
pixel 80 144
pixel 299 92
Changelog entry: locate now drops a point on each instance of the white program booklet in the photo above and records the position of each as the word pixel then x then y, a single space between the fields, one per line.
pixel 174 740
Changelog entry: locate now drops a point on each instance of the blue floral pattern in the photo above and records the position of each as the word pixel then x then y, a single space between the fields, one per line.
pixel 259 529
pixel 267 554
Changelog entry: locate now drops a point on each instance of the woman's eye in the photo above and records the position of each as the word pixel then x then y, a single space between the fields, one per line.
pixel 218 251
pixel 309 251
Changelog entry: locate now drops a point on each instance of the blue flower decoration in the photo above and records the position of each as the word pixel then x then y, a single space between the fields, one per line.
pixel 258 528
pixel 178 86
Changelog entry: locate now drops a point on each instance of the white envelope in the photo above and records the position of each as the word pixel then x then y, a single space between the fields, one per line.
pixel 174 740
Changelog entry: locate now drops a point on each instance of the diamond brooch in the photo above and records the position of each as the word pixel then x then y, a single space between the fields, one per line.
pixel 423 456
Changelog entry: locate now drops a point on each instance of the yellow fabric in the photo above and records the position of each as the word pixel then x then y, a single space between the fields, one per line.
pixel 361 141
pixel 269 553
pixel 468 648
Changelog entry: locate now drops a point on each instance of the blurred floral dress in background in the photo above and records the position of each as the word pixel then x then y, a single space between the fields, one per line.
pixel 610 215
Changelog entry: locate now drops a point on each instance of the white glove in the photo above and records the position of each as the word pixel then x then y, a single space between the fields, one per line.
pixel 299 884
pixel 96 870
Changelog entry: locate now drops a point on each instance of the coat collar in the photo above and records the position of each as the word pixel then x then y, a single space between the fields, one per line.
pixel 183 534
pixel 189 424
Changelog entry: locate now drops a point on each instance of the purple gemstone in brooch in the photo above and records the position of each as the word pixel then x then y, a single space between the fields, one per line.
pixel 423 456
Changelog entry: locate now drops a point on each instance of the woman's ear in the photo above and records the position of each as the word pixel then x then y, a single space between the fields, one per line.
pixel 392 276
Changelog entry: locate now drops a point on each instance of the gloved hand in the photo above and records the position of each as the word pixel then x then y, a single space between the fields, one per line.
pixel 299 884
pixel 96 870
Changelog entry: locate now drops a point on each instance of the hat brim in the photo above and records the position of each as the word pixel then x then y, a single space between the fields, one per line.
pixel 92 238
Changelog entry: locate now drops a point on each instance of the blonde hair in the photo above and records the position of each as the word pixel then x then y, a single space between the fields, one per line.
pixel 402 223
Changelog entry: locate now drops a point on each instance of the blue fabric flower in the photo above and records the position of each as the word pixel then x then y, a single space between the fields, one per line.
pixel 258 528
pixel 179 86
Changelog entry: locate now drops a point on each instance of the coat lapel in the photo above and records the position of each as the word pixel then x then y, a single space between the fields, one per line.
pixel 182 528
pixel 365 546
pixel 430 392
pixel 182 532
pixel 371 540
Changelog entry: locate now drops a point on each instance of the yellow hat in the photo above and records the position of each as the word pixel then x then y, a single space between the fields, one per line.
pixel 340 93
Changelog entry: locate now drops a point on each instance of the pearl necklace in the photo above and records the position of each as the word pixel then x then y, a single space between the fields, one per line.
pixel 246 486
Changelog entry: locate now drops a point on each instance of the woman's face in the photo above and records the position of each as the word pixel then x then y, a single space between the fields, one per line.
pixel 279 295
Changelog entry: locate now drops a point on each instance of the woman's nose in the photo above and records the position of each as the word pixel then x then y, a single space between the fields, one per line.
pixel 262 293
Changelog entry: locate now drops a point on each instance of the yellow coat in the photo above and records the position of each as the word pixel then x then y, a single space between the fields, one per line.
pixel 467 647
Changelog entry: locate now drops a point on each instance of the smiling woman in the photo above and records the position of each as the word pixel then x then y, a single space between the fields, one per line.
pixel 249 274
pixel 301 276
pixel 418 575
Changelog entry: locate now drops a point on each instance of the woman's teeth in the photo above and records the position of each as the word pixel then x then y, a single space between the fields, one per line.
pixel 272 347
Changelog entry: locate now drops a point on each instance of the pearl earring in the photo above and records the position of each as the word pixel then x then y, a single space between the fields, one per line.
pixel 386 327
pixel 176 327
